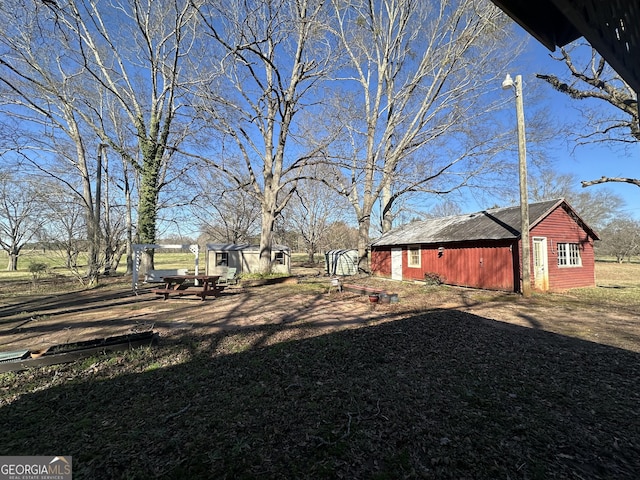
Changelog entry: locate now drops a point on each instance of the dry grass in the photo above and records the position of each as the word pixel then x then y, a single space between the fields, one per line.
pixel 618 287
pixel 612 273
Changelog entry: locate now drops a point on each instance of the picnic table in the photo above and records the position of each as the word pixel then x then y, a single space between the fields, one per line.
pixel 199 285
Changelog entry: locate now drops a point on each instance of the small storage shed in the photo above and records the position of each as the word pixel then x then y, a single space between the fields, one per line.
pixel 341 262
pixel 482 249
pixel 245 258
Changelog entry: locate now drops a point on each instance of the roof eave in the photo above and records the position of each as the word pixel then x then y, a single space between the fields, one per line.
pixel 611 27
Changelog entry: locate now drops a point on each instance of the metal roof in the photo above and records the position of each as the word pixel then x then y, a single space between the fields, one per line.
pixel 492 224
pixel 612 27
pixel 237 247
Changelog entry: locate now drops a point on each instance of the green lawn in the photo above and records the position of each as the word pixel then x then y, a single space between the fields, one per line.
pixel 56 263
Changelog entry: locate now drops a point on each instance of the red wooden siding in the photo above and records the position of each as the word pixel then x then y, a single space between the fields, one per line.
pixel 487 264
pixel 559 227
pixel 381 261
pixel 494 264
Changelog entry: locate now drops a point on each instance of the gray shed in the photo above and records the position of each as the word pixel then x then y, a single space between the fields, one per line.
pixel 341 262
pixel 245 258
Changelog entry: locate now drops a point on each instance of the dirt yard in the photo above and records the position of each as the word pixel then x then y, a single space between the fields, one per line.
pixel 35 322
pixel 281 381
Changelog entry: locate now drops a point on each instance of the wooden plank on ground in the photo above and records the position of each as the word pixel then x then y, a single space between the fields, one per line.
pixel 71 352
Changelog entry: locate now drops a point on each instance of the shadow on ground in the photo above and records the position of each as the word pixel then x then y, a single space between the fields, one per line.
pixel 444 395
pixel 108 314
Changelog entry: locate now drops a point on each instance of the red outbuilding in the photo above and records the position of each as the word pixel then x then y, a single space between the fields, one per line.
pixel 482 250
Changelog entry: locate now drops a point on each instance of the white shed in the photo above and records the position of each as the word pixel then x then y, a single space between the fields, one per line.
pixel 245 258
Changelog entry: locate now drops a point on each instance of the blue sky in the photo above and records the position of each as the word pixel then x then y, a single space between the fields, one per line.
pixel 588 162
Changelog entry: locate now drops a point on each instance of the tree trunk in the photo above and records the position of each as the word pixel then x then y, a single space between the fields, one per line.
pixel 117 255
pixel 129 259
pixel 364 223
pixel 129 247
pixel 147 215
pixel 146 261
pixel 109 255
pixel 387 216
pixel 92 259
pixel 72 258
pixel 12 266
pixel 90 216
pixel 152 149
pixel 266 239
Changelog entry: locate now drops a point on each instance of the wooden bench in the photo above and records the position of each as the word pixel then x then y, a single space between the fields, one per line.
pixel 156 276
pixel 180 292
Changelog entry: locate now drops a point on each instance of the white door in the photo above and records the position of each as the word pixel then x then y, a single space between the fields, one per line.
pixel 540 264
pixel 396 264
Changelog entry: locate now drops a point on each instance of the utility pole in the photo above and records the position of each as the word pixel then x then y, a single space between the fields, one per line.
pixel 524 200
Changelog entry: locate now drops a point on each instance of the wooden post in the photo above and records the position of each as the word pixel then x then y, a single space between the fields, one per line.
pixel 524 200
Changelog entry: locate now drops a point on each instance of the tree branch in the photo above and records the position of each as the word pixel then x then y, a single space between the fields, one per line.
pixel 589 183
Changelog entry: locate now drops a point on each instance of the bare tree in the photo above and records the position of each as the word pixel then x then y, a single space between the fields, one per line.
pixel 123 175
pixel 413 111
pixel 593 81
pixel 445 209
pixel 311 212
pixel 275 54
pixel 71 64
pixel 340 235
pixel 64 229
pixel 226 214
pixel 159 35
pixel 591 77
pixel 38 91
pixel 620 239
pixel 595 209
pixel 20 215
